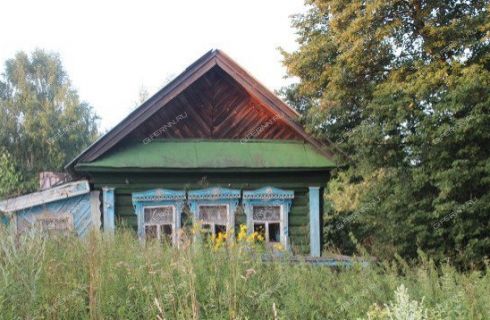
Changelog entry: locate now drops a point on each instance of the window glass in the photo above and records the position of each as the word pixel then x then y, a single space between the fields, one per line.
pixel 219 228
pixel 274 232
pixel 166 233
pixel 159 215
pixel 260 229
pixel 214 218
pixel 267 213
pixel 159 223
pixel 151 232
pixel 214 214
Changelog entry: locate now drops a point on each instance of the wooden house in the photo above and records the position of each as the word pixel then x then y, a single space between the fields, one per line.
pixel 216 142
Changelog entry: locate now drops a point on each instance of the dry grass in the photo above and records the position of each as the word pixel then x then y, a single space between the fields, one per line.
pixel 118 277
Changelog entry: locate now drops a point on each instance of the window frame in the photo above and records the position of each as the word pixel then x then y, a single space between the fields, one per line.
pixel 215 197
pixel 159 198
pixel 173 224
pixel 270 196
pixel 268 222
pixel 212 224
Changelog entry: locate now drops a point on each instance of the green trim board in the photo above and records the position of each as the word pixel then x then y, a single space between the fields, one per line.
pixel 212 154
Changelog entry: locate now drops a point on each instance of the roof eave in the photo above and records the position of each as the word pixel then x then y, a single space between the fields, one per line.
pixel 88 169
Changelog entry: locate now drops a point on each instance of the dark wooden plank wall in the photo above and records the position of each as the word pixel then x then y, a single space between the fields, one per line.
pixel 215 107
pixel 125 184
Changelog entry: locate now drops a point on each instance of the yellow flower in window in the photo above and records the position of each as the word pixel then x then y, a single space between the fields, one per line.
pixel 219 240
pixel 255 236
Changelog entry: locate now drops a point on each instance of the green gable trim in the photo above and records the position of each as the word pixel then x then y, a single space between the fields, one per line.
pixel 177 155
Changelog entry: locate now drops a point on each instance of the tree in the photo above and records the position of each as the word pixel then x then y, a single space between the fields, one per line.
pixel 403 87
pixel 43 123
pixel 10 180
pixel 143 95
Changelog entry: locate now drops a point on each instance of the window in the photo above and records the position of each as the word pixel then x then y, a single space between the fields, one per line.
pixel 159 213
pixel 214 218
pixel 267 222
pixel 267 211
pixel 159 223
pixel 214 209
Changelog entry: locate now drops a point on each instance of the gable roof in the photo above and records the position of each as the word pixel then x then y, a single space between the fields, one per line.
pixel 190 75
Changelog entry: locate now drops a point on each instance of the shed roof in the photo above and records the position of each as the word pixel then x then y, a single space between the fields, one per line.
pixel 170 155
pixel 68 190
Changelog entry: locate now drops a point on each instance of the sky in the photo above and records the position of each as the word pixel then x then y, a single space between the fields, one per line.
pixel 113 49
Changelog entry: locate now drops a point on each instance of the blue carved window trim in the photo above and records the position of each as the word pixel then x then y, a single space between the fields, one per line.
pixel 215 197
pixel 159 198
pixel 270 196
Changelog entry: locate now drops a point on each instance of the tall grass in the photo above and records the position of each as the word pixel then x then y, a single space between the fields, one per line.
pixel 118 277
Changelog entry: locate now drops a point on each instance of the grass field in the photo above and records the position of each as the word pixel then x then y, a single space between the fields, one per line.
pixel 118 278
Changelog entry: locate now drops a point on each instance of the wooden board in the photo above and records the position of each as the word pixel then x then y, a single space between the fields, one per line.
pixel 68 190
pixel 76 214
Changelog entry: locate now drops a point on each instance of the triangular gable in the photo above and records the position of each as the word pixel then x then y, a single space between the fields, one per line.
pixel 214 107
pixel 251 104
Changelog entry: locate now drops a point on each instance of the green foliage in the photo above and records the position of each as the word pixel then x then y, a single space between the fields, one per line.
pixel 403 87
pixel 120 278
pixel 43 123
pixel 9 177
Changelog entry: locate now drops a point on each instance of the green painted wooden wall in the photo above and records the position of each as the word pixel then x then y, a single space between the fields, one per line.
pixel 127 183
